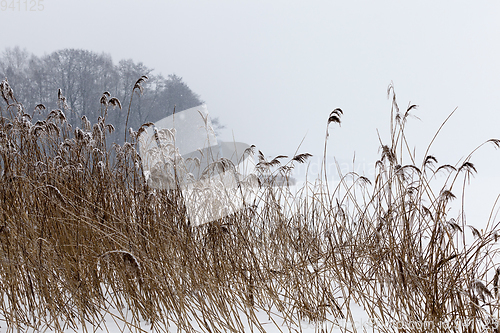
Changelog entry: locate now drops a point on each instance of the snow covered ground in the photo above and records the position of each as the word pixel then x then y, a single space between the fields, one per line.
pixel 115 320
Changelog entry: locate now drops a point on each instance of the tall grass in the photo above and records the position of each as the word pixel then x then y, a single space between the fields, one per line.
pixel 83 235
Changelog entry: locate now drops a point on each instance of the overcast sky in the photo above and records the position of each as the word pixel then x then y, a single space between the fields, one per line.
pixel 273 70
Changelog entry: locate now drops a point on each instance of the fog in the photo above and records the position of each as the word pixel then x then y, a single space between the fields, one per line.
pixel 273 71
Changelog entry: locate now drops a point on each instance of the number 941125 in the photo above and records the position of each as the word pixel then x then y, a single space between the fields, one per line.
pixel 22 5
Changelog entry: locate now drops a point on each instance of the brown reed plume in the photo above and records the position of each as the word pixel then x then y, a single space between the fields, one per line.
pixel 84 238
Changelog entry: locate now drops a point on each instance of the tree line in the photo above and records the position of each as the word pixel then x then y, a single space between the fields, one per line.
pixel 83 76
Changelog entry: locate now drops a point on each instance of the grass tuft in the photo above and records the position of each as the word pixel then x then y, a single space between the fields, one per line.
pixel 83 235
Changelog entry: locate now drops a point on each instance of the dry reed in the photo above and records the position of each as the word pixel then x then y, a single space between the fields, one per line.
pixel 82 235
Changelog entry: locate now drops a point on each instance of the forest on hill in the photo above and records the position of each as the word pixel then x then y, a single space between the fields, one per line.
pixel 83 76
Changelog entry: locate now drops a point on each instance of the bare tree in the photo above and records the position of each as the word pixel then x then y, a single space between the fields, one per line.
pixel 83 76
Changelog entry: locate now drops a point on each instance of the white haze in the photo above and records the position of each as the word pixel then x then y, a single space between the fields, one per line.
pixel 273 70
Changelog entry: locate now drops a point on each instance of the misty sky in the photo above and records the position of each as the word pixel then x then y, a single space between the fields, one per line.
pixel 273 70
